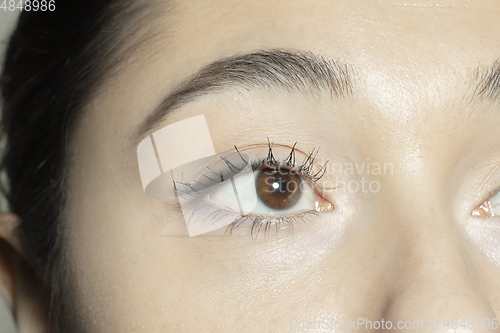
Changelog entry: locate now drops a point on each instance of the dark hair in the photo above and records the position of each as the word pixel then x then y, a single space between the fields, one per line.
pixel 55 60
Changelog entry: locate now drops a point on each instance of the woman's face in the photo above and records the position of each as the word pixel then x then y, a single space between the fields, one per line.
pixel 409 130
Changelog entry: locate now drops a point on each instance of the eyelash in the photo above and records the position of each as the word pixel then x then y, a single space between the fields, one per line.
pixel 305 169
pixel 259 223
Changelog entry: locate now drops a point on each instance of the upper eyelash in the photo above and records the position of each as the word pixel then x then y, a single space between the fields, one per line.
pixel 306 168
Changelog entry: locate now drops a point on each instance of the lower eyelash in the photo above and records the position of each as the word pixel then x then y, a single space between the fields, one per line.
pixel 259 222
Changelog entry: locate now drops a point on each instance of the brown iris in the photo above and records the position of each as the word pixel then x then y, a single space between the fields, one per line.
pixel 278 188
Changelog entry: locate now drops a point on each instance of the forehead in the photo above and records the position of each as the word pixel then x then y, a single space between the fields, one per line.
pixel 408 57
pixel 358 28
pixel 418 42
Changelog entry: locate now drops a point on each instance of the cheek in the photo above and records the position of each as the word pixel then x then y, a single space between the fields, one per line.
pixel 134 263
pixel 485 234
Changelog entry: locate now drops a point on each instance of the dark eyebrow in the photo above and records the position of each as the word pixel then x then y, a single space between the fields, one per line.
pixel 488 83
pixel 274 69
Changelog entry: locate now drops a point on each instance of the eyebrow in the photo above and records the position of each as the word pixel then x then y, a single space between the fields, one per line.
pixel 488 83
pixel 274 69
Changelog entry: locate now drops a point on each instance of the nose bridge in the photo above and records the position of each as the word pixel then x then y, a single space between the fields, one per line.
pixel 430 277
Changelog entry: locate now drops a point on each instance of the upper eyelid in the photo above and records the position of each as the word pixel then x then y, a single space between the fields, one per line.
pixel 476 181
pixel 489 188
pixel 256 164
pixel 308 164
pixel 488 193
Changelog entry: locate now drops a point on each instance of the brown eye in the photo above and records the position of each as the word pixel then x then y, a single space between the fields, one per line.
pixel 278 188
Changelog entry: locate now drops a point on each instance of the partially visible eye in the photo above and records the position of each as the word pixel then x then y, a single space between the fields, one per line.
pixel 277 190
pixel 489 208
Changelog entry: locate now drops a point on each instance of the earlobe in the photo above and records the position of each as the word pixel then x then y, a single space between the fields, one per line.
pixel 28 305
pixel 9 245
pixel 8 226
pixel 20 288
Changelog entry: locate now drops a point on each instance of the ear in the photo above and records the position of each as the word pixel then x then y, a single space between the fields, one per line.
pixel 19 287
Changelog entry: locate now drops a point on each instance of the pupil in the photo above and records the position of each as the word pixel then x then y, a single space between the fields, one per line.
pixel 278 188
pixel 279 185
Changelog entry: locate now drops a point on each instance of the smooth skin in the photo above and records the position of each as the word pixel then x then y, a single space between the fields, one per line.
pixel 403 253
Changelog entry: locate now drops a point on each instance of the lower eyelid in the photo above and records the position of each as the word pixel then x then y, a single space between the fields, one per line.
pixel 265 226
pixel 485 234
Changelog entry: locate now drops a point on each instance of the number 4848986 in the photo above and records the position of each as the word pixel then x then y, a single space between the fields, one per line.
pixel 29 5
